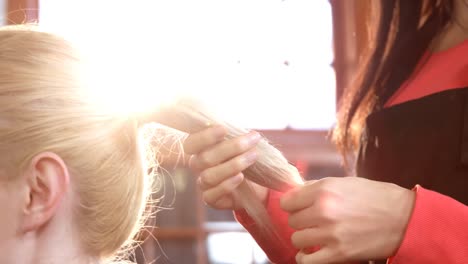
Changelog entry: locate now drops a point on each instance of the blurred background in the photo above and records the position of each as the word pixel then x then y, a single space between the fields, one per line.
pixel 276 66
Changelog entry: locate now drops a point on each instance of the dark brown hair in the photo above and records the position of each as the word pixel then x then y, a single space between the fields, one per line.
pixel 398 40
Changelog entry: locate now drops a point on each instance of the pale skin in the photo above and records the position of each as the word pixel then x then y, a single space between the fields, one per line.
pixel 38 227
pixel 369 224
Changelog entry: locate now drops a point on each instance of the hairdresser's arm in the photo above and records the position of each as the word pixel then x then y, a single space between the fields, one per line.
pixel 437 231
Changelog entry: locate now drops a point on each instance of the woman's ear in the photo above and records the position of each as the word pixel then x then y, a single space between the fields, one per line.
pixel 47 180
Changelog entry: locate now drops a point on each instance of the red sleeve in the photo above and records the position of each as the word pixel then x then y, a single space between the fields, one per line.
pixel 437 231
pixel 281 252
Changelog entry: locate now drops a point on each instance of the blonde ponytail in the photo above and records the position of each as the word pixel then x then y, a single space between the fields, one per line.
pixel 271 170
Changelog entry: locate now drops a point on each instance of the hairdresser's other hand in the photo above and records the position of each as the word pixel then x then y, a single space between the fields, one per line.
pixel 219 162
pixel 350 218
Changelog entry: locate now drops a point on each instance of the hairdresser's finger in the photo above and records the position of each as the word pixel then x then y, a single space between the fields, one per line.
pixel 301 197
pixel 211 196
pixel 197 142
pixel 323 256
pixel 224 151
pixel 308 238
pixel 225 202
pixel 305 218
pixel 216 175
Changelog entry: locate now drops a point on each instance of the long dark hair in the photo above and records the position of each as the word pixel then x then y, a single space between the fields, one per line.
pixel 398 40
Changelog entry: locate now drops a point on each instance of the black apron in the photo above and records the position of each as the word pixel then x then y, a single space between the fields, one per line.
pixel 423 142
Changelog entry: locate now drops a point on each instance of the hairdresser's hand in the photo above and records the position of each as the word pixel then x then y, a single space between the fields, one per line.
pixel 219 164
pixel 350 218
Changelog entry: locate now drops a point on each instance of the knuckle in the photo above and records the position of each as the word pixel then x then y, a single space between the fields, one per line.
pixel 321 193
pixel 324 214
pixel 239 145
pixel 321 204
pixel 325 183
pixel 225 188
pixel 207 137
pixel 331 183
pixel 187 145
pixel 207 178
pixel 200 183
pixel 295 239
pixel 193 163
pixel 204 160
pixel 328 208
pixel 207 198
pixel 237 165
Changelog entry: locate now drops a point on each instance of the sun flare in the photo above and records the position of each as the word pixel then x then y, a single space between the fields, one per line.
pixel 268 73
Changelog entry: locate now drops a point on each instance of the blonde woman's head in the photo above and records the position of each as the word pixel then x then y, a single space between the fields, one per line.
pixel 72 176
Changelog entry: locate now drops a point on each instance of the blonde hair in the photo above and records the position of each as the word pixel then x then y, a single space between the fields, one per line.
pixel 272 169
pixel 44 107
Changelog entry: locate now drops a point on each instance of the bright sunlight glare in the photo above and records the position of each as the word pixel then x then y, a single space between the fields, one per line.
pixel 258 63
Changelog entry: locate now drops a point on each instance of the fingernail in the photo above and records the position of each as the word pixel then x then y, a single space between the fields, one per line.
pixel 254 138
pixel 250 157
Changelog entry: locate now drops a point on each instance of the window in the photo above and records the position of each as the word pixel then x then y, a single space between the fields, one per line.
pixel 234 248
pixel 262 64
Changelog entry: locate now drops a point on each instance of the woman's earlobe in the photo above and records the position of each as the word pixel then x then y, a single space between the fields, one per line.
pixel 47 183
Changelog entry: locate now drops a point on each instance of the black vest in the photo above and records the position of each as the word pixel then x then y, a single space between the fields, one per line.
pixel 423 142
